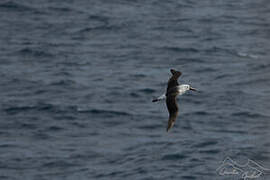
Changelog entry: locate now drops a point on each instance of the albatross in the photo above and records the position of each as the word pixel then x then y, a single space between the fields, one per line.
pixel 173 90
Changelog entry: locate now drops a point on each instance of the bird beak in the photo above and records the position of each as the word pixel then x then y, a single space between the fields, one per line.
pixel 193 89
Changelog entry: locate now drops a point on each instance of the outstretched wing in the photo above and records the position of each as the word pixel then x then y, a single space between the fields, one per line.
pixel 173 80
pixel 173 110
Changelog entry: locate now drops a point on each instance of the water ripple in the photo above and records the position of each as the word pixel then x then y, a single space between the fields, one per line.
pixel 176 156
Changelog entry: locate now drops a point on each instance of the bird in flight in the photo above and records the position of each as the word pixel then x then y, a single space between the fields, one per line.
pixel 173 89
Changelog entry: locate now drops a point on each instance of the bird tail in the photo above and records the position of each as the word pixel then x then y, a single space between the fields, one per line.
pixel 163 96
pixel 155 100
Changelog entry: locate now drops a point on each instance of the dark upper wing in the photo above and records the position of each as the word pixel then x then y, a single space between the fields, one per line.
pixel 172 108
pixel 173 80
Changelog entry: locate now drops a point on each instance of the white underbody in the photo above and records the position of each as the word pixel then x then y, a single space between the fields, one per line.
pixel 181 90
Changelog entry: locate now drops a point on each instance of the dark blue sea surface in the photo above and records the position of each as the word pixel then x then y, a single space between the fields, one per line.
pixel 78 77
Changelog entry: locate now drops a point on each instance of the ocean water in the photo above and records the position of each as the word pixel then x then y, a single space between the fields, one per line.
pixel 78 77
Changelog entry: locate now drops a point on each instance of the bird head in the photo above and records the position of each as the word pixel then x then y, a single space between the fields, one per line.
pixel 184 88
pixel 187 87
pixel 192 89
